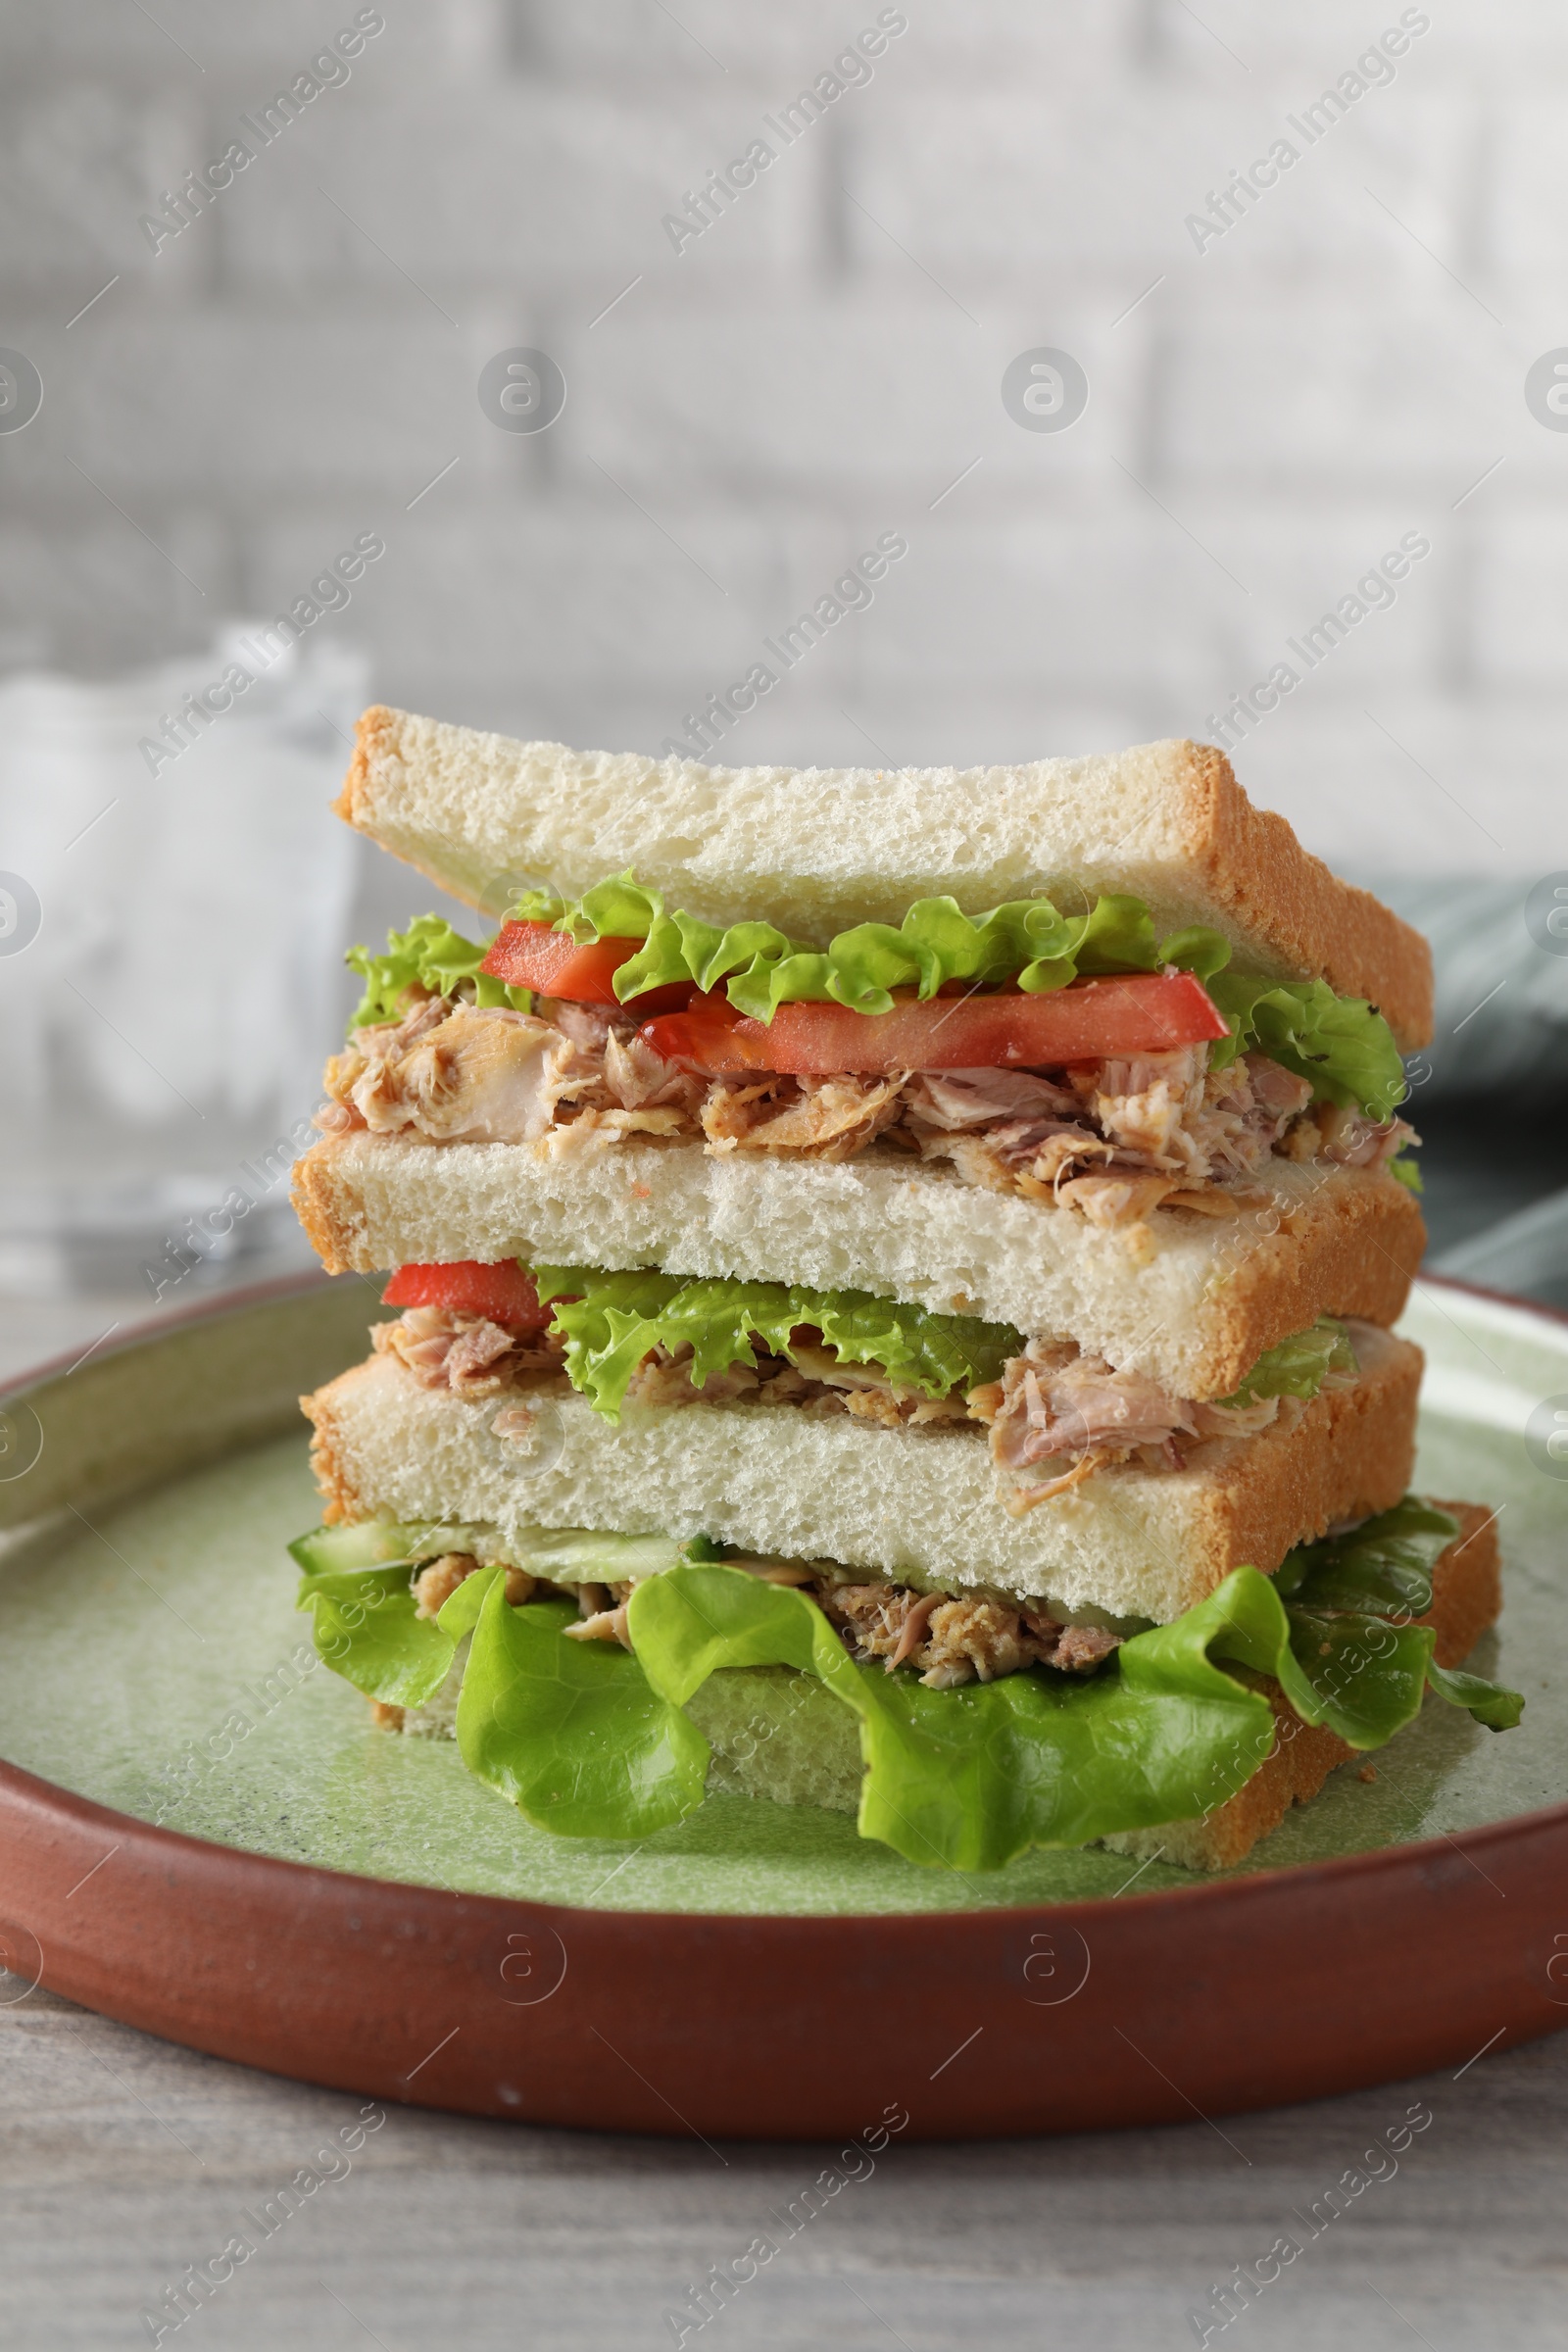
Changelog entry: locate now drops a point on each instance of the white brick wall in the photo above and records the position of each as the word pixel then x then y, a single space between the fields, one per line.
pixel 820 366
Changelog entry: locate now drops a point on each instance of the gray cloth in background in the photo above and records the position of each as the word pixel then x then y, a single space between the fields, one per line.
pixel 1501 1026
pixel 1502 996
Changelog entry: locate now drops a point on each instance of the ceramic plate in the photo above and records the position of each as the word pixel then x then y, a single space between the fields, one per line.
pixel 201 1834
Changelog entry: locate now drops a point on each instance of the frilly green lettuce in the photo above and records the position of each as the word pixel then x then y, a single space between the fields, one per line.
pixel 1028 940
pixel 429 954
pixel 615 1319
pixel 611 1321
pixel 1297 1366
pixel 1341 1045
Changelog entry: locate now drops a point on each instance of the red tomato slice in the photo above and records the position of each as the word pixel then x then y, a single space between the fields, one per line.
pixel 1134 1012
pixel 533 955
pixel 504 1293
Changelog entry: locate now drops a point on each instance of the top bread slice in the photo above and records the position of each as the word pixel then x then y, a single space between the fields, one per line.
pixel 815 850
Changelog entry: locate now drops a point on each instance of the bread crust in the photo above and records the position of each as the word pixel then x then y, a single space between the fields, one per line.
pixel 1344 1445
pixel 374 739
pixel 1345 1250
pixel 342 1502
pixel 1258 870
pixel 324 1209
pixel 1349 1240
pixel 1466 1598
pixel 465 807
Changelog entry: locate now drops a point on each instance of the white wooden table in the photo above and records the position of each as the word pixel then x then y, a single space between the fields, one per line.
pixel 124 2160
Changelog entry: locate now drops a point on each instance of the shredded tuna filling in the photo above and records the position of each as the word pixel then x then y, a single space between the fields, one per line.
pixel 1055 1409
pixel 466 1353
pixel 947 1638
pixel 1111 1140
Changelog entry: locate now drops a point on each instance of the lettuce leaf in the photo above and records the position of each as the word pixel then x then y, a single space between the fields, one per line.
pixel 1358 1587
pixel 1028 939
pixel 972 1777
pixel 1341 1046
pixel 615 1319
pixel 429 954
pixel 365 1622
pixel 367 1628
pixel 1297 1366
pixel 364 1619
pixel 573 1732
pixel 1488 1702
pixel 620 908
pixel 590 1741
pixel 1382 1567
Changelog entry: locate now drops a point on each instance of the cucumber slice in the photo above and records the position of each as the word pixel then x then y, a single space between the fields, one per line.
pixel 570 1556
pixel 373 1543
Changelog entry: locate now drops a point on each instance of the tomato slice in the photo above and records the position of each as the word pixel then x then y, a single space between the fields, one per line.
pixel 1134 1012
pixel 533 955
pixel 503 1293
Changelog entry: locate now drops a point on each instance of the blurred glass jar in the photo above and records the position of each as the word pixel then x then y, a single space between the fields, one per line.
pixel 171 959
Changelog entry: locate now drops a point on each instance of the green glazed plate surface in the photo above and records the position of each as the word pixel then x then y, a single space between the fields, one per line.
pixel 151 1657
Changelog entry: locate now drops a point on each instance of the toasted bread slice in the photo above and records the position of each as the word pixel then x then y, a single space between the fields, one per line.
pixel 817 850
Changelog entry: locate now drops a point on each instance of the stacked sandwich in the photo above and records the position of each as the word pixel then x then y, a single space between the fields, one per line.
pixel 894 1276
